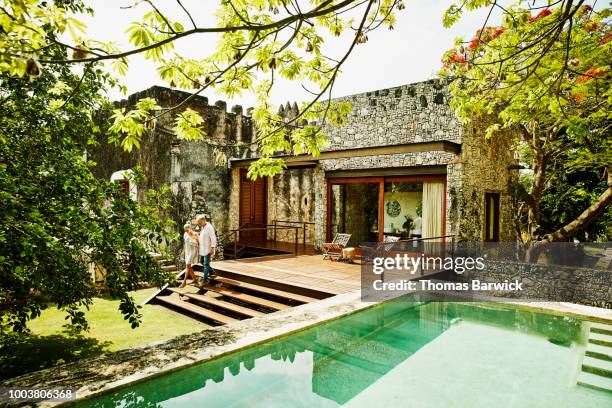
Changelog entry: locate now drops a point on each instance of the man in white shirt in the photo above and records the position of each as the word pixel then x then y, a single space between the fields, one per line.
pixel 208 244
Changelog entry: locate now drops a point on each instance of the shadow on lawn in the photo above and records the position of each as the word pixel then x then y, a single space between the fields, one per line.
pixel 24 353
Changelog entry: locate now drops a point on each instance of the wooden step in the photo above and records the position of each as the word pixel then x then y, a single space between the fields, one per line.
pixel 262 289
pixel 219 303
pixel 170 268
pixel 598 351
pixel 247 298
pixel 597 366
pixel 601 339
pixel 200 311
pixel 601 328
pixel 595 381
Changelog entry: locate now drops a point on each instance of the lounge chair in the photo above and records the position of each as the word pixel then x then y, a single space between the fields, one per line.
pixel 333 250
pixel 389 242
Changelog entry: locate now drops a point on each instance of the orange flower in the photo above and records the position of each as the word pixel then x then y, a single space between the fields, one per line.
pixel 605 39
pixel 499 31
pixel 579 97
pixel 596 72
pixel 590 74
pixel 540 15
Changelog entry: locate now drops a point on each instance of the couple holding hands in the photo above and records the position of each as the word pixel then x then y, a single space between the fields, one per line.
pixel 199 249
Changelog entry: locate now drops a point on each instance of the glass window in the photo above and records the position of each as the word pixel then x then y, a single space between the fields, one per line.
pixel 403 209
pixel 354 210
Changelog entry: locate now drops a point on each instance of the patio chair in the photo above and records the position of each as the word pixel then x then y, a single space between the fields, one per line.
pixel 333 250
pixel 389 242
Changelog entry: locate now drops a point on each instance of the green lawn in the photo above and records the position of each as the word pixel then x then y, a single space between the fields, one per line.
pixel 49 346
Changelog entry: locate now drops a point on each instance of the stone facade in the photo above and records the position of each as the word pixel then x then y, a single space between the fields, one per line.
pixel 556 283
pixel 417 113
pixel 291 197
pixel 199 184
pixel 409 114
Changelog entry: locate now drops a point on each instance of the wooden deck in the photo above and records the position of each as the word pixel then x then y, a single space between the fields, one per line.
pixel 305 271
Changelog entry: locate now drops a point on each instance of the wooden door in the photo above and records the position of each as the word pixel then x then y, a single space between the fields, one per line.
pixel 253 208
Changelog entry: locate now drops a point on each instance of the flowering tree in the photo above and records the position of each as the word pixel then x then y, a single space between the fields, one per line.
pixel 258 41
pixel 544 72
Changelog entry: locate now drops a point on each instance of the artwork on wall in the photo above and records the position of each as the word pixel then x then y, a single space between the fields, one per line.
pixel 394 208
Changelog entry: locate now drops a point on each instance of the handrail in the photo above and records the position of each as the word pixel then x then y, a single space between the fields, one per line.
pixel 424 239
pixel 303 224
pixel 295 222
pixel 236 233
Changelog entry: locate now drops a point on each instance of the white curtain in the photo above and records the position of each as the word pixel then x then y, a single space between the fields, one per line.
pixel 433 203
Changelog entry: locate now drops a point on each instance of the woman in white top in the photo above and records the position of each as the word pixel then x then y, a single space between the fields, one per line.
pixel 191 249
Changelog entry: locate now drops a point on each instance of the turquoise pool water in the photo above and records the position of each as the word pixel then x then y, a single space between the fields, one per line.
pixel 396 354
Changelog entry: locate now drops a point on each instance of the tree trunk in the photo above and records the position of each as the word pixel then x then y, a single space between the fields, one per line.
pixel 587 217
pixel 538 164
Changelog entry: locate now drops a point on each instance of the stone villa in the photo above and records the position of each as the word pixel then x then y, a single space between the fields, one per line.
pixel 403 165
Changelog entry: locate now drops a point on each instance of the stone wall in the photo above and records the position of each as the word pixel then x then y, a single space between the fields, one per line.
pixel 406 114
pixel 547 282
pixel 410 113
pixel 291 197
pixel 419 113
pixel 485 165
pixel 199 183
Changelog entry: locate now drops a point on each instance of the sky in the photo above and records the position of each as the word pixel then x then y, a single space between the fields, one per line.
pixel 409 53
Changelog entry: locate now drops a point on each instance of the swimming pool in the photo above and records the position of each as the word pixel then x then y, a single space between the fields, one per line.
pixel 394 354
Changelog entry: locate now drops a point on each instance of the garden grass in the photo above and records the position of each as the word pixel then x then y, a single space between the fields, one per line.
pixel 49 345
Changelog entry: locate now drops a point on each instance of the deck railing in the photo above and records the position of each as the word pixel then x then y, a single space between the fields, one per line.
pixel 246 239
pixel 290 223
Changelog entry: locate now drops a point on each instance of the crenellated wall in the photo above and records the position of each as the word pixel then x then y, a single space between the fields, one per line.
pixel 413 113
pixel 410 113
pixel 199 183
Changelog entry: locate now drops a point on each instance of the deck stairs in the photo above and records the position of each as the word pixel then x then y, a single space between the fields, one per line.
pixel 225 300
pixel 167 264
pixel 596 369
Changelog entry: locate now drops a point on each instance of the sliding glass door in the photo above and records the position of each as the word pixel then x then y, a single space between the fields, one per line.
pixel 354 210
pixel 373 209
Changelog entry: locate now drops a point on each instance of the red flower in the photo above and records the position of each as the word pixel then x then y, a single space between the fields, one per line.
pixel 499 31
pixel 579 97
pixel 541 14
pixel 605 39
pixel 590 74
pixel 473 44
pixel 454 58
pixel 596 72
